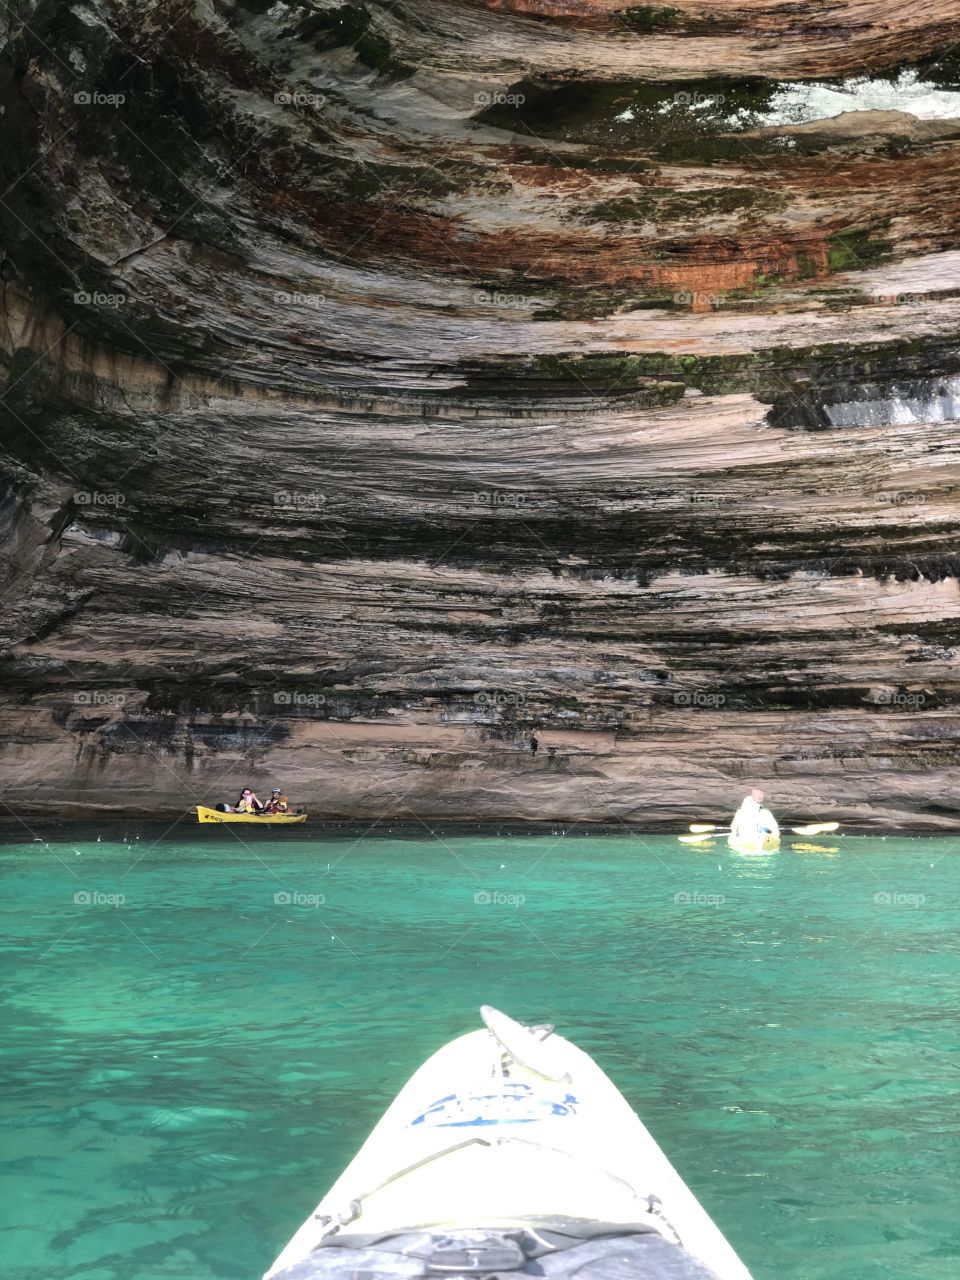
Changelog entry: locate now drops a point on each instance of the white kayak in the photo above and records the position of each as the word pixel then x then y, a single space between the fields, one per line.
pixel 509 1151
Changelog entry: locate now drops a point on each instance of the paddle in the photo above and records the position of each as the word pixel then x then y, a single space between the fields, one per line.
pixel 811 829
pixel 705 831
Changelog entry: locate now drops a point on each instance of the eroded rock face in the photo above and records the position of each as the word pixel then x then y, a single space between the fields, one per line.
pixel 385 385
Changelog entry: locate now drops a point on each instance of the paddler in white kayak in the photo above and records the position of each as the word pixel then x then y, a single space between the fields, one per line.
pixel 752 821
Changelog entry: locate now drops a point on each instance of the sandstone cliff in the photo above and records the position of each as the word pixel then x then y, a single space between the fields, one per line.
pixel 385 384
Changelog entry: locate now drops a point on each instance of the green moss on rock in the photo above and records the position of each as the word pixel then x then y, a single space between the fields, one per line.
pixel 856 248
pixel 648 17
pixel 665 204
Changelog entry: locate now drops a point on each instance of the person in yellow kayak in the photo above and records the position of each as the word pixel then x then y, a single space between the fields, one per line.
pixel 278 802
pixel 248 803
pixel 752 820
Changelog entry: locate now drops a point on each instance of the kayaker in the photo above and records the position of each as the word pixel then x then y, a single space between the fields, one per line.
pixel 278 802
pixel 248 803
pixel 746 821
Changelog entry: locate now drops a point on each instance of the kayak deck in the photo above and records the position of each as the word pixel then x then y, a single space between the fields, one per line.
pixel 478 1141
pixel 204 814
pixel 754 844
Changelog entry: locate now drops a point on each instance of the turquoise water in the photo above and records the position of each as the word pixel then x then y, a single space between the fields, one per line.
pixel 188 1069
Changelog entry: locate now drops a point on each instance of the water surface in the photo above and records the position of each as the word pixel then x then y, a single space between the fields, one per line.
pixel 196 1043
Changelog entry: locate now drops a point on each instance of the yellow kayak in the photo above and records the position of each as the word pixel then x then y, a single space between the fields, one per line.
pixel 508 1152
pixel 260 819
pixel 754 844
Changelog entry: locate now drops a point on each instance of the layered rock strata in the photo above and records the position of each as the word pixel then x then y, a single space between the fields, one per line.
pixel 386 385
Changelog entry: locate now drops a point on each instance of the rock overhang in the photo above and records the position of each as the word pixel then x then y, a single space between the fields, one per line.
pixel 334 373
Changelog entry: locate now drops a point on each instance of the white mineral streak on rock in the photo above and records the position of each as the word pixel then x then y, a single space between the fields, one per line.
pixel 802 103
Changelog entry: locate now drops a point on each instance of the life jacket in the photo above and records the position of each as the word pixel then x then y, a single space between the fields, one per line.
pixel 767 822
pixel 747 818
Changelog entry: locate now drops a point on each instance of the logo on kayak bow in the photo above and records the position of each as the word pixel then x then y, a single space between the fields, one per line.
pixel 515 1104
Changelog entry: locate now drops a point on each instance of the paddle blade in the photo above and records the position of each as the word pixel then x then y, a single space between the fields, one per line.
pixel 815 828
pixel 695 839
pixel 702 826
